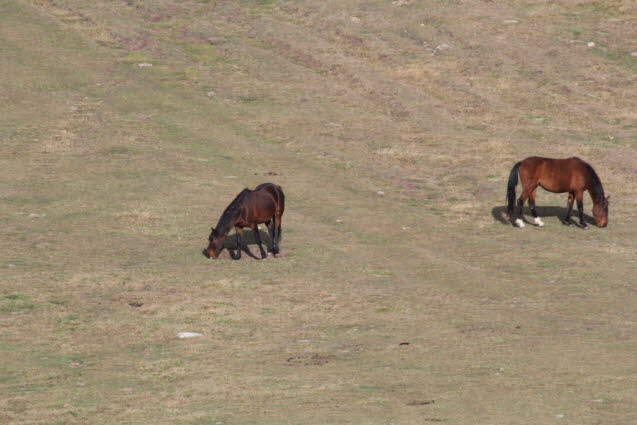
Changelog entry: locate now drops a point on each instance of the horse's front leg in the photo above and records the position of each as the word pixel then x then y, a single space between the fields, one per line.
pixel 569 208
pixel 257 237
pixel 579 196
pixel 239 232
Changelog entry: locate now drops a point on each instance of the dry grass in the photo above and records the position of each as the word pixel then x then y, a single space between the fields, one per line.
pixel 392 126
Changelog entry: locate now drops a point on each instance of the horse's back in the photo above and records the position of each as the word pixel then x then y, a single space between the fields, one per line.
pixel 555 174
pixel 554 165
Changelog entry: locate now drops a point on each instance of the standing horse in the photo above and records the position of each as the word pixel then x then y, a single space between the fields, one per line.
pixel 264 204
pixel 570 175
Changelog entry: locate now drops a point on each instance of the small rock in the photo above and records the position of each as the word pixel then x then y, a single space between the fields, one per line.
pixel 380 192
pixel 355 20
pixel 511 21
pixel 440 47
pixel 210 93
pixel 188 335
pixel 421 402
pixel 559 416
pixel 590 44
pixel 144 65
pixel 34 215
pixel 231 177
pixel 633 54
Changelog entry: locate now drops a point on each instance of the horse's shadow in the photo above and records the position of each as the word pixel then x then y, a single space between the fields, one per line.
pixel 500 214
pixel 248 239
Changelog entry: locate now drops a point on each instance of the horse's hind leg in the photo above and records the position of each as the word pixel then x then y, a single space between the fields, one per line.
pixel 523 197
pixel 257 237
pixel 277 229
pixel 270 226
pixel 569 208
pixel 579 196
pixel 536 219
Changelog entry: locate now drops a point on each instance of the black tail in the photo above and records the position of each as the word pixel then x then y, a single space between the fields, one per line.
pixel 513 181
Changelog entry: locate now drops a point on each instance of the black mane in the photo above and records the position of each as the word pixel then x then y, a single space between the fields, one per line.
pixel 231 211
pixel 596 189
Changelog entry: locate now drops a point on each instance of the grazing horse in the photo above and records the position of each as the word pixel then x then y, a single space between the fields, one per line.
pixel 264 204
pixel 570 175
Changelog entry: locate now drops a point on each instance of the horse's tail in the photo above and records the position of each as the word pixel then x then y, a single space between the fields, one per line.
pixel 513 182
pixel 281 199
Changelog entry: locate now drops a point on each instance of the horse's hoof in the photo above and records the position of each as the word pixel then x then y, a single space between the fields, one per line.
pixel 584 226
pixel 538 222
pixel 519 223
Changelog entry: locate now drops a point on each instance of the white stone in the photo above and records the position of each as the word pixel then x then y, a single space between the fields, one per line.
pixel 188 335
pixel 144 65
pixel 590 44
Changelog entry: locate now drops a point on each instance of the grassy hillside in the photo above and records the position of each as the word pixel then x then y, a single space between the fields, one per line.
pixel 126 127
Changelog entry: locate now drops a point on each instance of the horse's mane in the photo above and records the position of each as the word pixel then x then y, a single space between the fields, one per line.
pixel 596 189
pixel 231 211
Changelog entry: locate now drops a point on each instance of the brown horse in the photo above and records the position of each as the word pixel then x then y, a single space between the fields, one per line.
pixel 570 175
pixel 264 204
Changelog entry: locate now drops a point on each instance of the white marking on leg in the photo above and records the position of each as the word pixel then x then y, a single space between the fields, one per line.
pixel 538 222
pixel 519 222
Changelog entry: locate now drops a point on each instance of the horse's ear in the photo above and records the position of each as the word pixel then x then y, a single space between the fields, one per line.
pixel 607 198
pixel 214 231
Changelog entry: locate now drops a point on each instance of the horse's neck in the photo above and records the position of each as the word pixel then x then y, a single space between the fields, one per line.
pixel 597 191
pixel 227 221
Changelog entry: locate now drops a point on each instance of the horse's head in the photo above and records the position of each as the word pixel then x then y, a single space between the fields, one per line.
pixel 600 212
pixel 215 245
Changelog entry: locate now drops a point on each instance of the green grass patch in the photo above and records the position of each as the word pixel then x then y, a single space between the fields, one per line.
pixel 16 303
pixel 622 58
pixel 203 53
